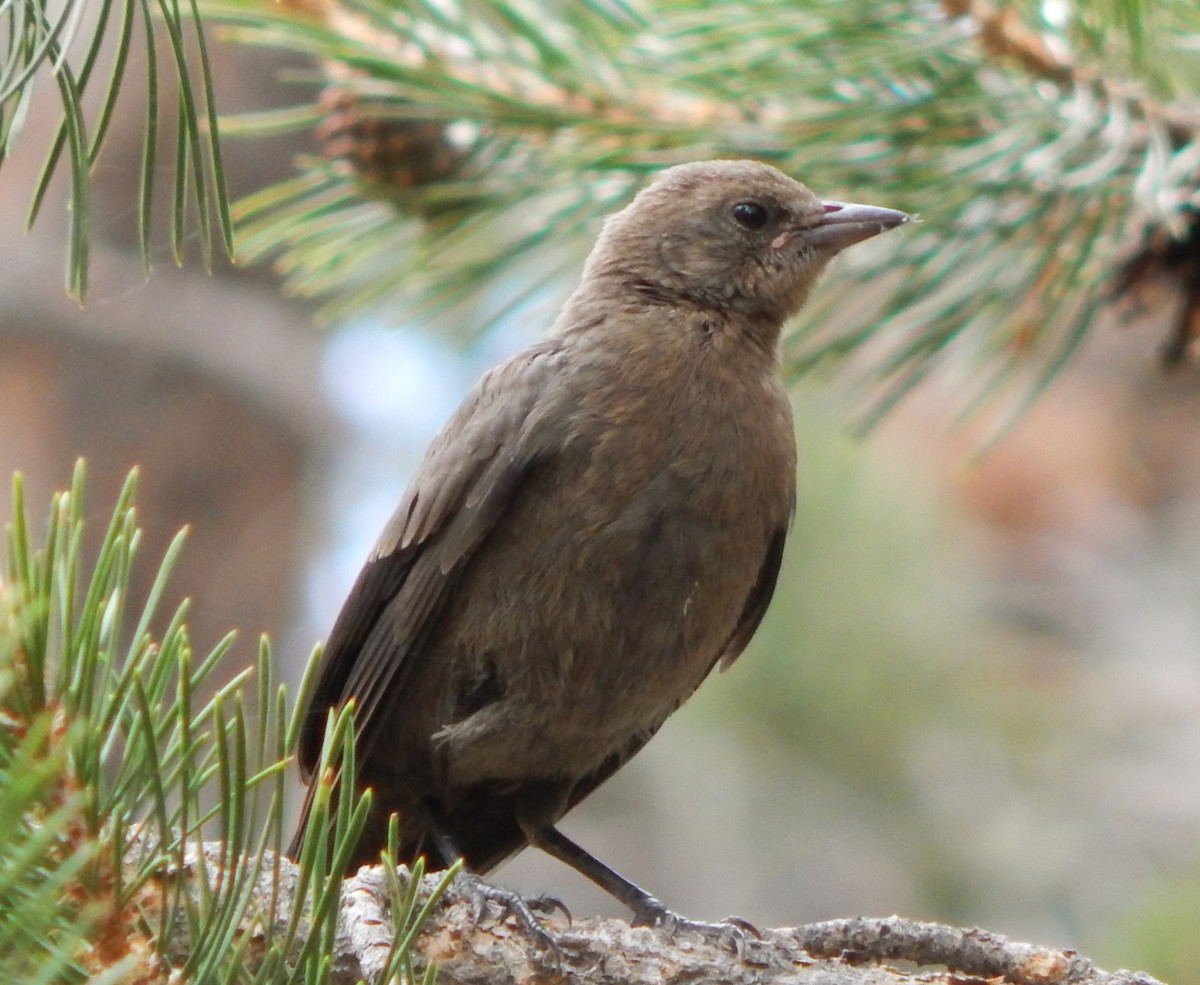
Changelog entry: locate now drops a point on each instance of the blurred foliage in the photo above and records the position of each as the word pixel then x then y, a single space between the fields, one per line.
pixel 1156 929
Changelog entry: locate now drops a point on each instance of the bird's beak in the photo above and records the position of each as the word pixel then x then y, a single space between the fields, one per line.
pixel 845 223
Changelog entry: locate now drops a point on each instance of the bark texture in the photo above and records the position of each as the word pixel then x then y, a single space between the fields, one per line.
pixel 473 941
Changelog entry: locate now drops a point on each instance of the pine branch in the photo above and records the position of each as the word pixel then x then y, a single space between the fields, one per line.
pixel 67 47
pixel 112 771
pixel 471 139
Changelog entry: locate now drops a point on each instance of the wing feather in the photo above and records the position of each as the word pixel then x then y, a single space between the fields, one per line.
pixel 469 476
pixel 757 601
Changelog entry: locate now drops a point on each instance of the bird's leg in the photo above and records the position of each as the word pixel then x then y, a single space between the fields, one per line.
pixel 647 910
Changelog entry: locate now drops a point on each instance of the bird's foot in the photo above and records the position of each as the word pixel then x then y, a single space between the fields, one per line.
pixel 512 903
pixel 732 932
pixel 548 904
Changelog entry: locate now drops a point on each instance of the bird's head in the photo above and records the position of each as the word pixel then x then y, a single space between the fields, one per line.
pixel 737 236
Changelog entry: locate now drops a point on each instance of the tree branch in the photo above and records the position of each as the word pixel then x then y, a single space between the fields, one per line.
pixel 473 941
pixel 1003 35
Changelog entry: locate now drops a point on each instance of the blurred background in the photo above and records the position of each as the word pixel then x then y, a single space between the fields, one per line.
pixel 975 699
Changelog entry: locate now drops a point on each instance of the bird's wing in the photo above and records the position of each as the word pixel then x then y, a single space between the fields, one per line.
pixel 470 474
pixel 757 601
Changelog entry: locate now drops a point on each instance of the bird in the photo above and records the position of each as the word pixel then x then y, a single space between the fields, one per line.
pixel 597 527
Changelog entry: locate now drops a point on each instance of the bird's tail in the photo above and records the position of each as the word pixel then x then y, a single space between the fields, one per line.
pixel 373 839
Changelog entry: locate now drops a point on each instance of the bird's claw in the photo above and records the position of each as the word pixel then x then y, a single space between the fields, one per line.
pixel 481 893
pixel 741 923
pixel 548 904
pixel 732 932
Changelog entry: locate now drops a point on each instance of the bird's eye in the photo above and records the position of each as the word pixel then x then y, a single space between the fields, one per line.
pixel 751 215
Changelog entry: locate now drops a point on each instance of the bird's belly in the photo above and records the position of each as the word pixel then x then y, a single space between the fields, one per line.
pixel 593 638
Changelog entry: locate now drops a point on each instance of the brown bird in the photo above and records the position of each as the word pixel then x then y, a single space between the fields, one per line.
pixel 598 525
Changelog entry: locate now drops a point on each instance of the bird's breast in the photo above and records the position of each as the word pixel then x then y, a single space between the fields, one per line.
pixel 655 520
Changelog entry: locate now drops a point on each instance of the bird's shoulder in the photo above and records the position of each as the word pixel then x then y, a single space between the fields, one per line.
pixel 499 429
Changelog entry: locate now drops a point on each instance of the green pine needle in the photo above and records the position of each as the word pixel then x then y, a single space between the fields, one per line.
pixel 90 56
pixel 115 780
